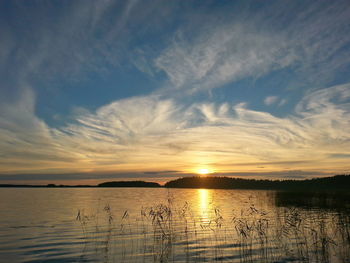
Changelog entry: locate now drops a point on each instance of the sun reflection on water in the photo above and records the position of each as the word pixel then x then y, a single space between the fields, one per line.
pixel 204 204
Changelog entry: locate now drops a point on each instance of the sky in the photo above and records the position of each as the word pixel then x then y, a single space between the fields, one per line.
pixel 95 91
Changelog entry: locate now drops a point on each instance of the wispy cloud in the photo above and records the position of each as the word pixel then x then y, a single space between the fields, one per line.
pixel 274 100
pixel 51 44
pixel 270 100
pixel 166 129
pixel 216 52
pixel 150 134
pixel 222 53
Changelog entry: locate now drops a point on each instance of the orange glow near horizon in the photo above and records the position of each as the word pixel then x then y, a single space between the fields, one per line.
pixel 203 171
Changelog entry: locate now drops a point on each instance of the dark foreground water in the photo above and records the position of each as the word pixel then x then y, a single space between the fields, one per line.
pixel 177 225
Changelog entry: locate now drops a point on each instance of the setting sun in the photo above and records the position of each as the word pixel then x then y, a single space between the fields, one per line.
pixel 203 171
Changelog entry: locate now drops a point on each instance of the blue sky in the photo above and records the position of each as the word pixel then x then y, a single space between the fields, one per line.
pixel 92 90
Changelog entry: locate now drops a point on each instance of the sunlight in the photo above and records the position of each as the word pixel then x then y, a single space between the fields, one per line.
pixel 203 196
pixel 203 171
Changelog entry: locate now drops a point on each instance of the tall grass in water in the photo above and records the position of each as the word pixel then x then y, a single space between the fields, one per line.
pixel 169 233
pixel 252 226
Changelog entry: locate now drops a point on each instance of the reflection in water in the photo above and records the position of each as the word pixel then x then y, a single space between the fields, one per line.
pixel 204 204
pixel 197 225
pixel 320 200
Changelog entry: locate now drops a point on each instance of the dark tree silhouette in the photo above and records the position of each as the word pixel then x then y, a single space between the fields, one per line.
pixel 338 182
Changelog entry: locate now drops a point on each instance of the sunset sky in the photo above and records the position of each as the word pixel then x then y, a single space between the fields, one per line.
pixel 94 91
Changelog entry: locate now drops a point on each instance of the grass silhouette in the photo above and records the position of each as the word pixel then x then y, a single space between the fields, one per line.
pixel 169 233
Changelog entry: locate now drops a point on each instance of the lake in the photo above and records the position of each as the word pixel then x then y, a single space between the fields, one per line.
pixel 172 225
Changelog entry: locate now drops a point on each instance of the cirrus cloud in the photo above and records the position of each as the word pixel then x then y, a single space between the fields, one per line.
pixel 150 133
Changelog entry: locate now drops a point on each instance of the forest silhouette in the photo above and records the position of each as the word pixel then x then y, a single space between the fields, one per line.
pixel 333 183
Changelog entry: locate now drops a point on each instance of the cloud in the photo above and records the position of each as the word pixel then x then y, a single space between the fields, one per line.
pixel 25 140
pixel 270 100
pixel 220 54
pixel 283 174
pixel 198 52
pixel 340 156
pixel 167 130
pixel 163 172
pixel 216 52
pixel 66 43
pixel 282 102
pixel 161 175
pixel 150 134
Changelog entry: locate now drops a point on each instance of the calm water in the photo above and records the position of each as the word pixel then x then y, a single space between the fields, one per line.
pixel 177 225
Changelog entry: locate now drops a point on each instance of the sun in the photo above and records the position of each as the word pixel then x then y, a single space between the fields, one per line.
pixel 203 171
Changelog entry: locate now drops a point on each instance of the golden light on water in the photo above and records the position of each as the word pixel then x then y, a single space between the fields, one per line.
pixel 204 203
pixel 203 199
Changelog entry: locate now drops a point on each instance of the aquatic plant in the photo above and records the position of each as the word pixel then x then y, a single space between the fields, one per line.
pixel 169 233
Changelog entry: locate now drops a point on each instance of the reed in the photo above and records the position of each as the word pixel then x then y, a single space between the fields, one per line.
pixel 168 233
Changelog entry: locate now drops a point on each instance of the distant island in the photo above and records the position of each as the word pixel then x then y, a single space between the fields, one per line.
pixel 129 184
pixel 333 183
pixel 337 182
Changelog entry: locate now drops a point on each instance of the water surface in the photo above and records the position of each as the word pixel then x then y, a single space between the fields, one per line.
pixel 175 225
